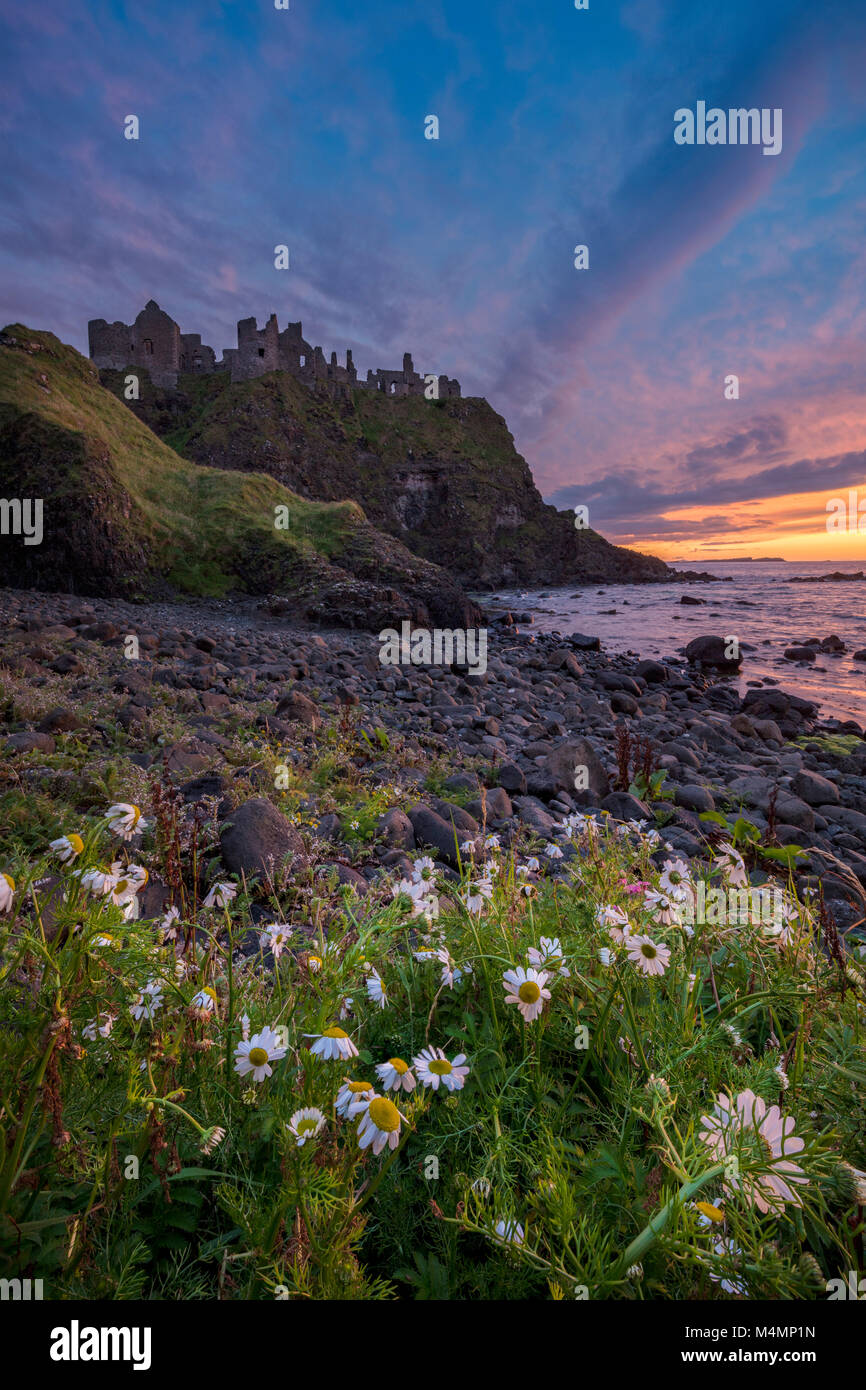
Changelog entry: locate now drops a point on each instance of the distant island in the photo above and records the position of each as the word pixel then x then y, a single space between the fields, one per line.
pixel 736 559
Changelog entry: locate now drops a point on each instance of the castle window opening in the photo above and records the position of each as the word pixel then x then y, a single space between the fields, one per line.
pixel 148 346
pixel 261 352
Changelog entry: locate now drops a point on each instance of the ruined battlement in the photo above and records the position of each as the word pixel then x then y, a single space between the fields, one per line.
pixel 154 341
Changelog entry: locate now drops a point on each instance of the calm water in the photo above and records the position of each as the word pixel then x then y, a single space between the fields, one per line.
pixel 757 605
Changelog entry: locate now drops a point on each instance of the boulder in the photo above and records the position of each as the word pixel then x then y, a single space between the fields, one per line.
pixel 624 806
pixel 28 742
pixel 396 829
pixel 694 798
pixel 511 777
pixel 562 764
pixel 814 789
pixel 258 838
pixel 713 651
pixel 494 804
pixel 430 829
pixel 298 709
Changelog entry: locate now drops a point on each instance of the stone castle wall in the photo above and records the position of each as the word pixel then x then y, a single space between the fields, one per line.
pixel 154 341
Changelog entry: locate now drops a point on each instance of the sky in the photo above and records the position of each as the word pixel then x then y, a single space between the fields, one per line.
pixel 306 127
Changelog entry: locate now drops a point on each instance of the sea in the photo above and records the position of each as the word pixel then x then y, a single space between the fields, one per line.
pixel 751 600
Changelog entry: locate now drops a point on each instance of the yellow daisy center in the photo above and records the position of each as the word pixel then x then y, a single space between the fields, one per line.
pixel 258 1056
pixel 529 993
pixel 334 1033
pixel 648 951
pixel 359 1087
pixel 384 1114
pixel 314 960
pixel 211 993
pixel 10 880
pixel 399 1065
pixel 440 1068
pixel 76 842
pixel 308 1125
pixel 708 1210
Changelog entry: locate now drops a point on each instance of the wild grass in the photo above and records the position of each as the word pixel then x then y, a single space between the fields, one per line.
pixel 138 1162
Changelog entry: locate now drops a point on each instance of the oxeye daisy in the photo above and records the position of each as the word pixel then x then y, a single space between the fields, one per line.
pixel 525 988
pixel 508 1233
pixel 605 956
pixel 676 876
pixel 376 989
pixel 275 938
pixel 306 1124
pixel 610 915
pixel 314 964
pixel 662 906
pixel 732 866
pixel 7 892
pixel 476 894
pixel 257 1054
pixel 205 999
pixel 220 895
pixel 98 882
pixel 548 955
pixel 709 1214
pixel 649 957
pixel 729 1253
pixel 449 970
pixel 125 820
pixel 131 878
pixel 100 1026
pixel 423 869
pixel 379 1124
pixel 169 923
pixel 760 1139
pixel 351 1093
pixel 434 1067
pixel 212 1138
pixel 147 1002
pixel 553 851
pixel 68 847
pixel 333 1045
pixel 396 1075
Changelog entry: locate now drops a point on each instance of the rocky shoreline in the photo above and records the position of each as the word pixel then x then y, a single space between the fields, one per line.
pixel 511 738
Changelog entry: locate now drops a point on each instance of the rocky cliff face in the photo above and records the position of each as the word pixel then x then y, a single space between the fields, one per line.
pixel 124 515
pixel 442 476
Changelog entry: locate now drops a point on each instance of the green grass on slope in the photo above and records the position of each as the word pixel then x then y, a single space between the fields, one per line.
pixel 200 521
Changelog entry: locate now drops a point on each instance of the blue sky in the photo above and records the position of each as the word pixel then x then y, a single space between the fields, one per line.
pixel 306 127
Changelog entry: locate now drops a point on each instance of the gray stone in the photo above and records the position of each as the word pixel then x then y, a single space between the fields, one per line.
pixel 28 742
pixel 562 763
pixel 396 829
pixel 694 798
pixel 624 806
pixel 510 776
pixel 712 651
pixel 298 708
pixel 258 838
pixel 814 789
pixel 430 829
pixel 494 804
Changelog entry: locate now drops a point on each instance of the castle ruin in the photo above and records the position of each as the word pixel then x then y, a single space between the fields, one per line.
pixel 155 342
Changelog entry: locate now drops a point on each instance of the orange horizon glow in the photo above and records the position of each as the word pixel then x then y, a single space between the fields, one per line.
pixel 793 528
